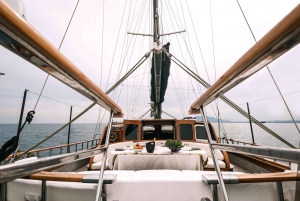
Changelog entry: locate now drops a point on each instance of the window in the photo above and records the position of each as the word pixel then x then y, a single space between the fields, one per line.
pixel 186 132
pixel 131 132
pixel 201 132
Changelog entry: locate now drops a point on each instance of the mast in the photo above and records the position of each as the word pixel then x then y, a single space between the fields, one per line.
pixel 156 62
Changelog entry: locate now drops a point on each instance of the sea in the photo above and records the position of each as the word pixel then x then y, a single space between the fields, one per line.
pixel 37 132
pixel 81 132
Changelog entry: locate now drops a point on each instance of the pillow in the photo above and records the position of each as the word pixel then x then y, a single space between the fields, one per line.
pixel 98 158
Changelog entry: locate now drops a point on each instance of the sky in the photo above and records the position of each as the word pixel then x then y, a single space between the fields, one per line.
pixel 98 44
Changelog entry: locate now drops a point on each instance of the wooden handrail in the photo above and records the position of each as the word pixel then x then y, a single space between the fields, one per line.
pixel 48 58
pixel 243 178
pixel 57 176
pixel 284 36
pixel 267 177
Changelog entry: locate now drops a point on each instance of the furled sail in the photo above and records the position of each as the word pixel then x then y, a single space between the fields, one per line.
pixel 165 72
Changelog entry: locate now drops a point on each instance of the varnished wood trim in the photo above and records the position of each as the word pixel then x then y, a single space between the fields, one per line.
pixel 226 159
pixel 91 162
pixel 101 141
pixel 136 122
pixel 264 163
pixel 267 177
pixel 56 176
pixel 214 133
pixel 185 121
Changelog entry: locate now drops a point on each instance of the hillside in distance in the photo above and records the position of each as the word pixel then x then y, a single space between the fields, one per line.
pixel 215 120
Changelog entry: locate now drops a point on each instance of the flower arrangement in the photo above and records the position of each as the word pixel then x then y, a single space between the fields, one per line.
pixel 174 145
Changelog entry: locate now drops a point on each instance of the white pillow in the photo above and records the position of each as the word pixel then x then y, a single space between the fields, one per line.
pixel 98 158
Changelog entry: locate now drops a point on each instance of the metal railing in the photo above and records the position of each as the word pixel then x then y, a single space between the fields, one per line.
pixel 225 140
pixel 283 154
pixel 17 170
pixel 78 146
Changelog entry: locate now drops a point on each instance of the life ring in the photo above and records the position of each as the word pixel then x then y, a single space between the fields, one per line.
pixel 113 137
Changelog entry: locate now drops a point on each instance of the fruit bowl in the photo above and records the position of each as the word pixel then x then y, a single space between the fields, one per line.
pixel 137 150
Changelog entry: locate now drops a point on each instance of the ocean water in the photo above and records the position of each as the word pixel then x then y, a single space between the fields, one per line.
pixel 241 131
pixel 81 132
pixel 37 132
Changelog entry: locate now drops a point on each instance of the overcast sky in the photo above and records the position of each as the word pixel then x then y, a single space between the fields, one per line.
pixel 99 53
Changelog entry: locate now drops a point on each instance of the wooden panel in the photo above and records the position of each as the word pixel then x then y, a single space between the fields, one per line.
pixel 136 122
pixel 158 122
pixel 185 121
pixel 55 176
pixel 267 177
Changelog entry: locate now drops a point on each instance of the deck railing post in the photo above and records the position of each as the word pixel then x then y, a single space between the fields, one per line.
pixel 216 163
pixel 44 191
pixel 279 191
pixel 3 191
pixel 215 192
pixel 68 148
pixel 103 164
pixel 250 123
pixel 297 187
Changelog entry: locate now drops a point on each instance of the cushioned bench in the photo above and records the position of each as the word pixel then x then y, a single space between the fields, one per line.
pixel 221 156
pixel 145 185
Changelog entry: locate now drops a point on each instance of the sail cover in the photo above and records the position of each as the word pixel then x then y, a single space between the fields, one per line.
pixel 165 72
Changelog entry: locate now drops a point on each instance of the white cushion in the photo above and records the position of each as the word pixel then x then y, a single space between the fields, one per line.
pixel 26 160
pixel 97 158
pixel 206 148
pixel 141 187
pixel 165 175
pixel 121 174
pixel 210 163
pixel 196 175
pixel 219 155
pixel 97 165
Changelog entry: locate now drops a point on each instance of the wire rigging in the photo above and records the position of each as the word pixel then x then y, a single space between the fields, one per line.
pixel 98 124
pixel 287 107
pixel 30 116
pixel 24 132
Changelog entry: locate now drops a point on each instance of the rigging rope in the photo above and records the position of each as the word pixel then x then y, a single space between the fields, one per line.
pixel 193 60
pixel 226 100
pixel 24 132
pixel 213 45
pixel 269 70
pixel 135 91
pixel 57 131
pixel 125 54
pixel 169 115
pixel 101 58
pixel 181 92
